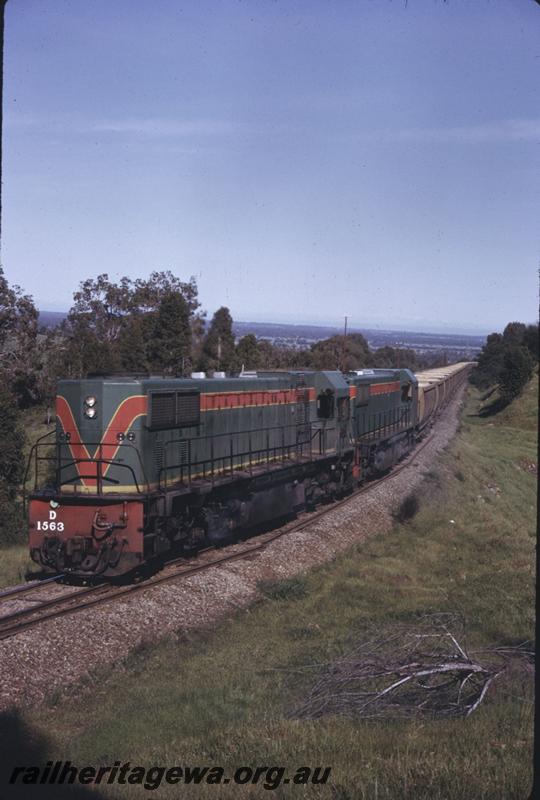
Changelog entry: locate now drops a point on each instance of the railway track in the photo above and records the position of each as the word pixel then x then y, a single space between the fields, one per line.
pixel 87 597
pixel 26 588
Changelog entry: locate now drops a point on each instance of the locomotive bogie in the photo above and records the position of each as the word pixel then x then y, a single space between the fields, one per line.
pixel 145 467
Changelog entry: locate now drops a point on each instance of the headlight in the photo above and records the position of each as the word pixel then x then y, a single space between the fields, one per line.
pixel 90 413
pixel 90 401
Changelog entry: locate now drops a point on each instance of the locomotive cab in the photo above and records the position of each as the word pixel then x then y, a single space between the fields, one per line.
pixel 383 416
pixel 88 518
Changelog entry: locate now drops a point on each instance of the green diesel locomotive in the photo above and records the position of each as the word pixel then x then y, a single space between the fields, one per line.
pixel 144 466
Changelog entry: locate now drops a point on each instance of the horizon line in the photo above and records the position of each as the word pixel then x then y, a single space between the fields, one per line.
pixel 371 327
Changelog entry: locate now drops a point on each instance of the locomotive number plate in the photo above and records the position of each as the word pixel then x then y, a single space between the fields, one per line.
pixel 50 524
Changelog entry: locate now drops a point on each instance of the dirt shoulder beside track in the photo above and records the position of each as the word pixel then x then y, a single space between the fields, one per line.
pixel 60 652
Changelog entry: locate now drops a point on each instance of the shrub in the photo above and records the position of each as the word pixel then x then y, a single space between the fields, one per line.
pixel 288 589
pixel 11 467
pixel 407 509
pixel 517 369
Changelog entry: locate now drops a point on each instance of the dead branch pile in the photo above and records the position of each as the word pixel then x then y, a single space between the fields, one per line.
pixel 407 672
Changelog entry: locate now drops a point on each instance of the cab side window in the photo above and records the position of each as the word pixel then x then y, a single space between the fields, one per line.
pixel 406 393
pixel 325 405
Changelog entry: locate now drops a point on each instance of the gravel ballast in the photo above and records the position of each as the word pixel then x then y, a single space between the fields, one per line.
pixel 57 653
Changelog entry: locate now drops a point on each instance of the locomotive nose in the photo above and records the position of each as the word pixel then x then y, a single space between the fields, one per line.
pixel 86 538
pixel 80 554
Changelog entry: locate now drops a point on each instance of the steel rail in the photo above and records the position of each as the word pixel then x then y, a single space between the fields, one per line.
pixel 23 588
pixel 23 619
pixel 69 604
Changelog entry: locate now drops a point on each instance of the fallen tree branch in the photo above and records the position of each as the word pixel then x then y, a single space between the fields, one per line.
pixel 398 673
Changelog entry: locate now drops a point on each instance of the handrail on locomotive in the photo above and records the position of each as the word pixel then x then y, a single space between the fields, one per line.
pixel 272 453
pixel 226 464
pixel 62 464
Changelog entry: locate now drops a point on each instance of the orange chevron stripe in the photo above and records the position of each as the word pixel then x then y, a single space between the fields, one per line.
pixel 123 418
pixel 76 445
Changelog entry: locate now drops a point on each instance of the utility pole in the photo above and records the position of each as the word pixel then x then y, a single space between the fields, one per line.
pixel 343 346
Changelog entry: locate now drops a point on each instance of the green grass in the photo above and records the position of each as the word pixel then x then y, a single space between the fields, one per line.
pixel 521 414
pixel 14 564
pixel 224 696
pixel 14 560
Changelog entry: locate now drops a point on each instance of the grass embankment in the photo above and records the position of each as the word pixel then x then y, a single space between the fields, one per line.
pixel 222 697
pixel 14 560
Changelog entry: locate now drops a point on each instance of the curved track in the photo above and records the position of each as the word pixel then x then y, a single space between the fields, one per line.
pixel 26 588
pixel 86 597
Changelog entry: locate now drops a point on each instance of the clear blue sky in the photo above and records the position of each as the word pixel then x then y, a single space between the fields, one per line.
pixel 304 160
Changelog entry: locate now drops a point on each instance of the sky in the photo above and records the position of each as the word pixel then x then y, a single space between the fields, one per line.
pixel 303 160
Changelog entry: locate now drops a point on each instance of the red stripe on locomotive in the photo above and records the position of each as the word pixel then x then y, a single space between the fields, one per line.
pixel 384 388
pixel 123 418
pixel 221 400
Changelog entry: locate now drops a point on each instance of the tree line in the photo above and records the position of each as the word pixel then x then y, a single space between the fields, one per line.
pixel 507 361
pixel 153 325
pixel 156 325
